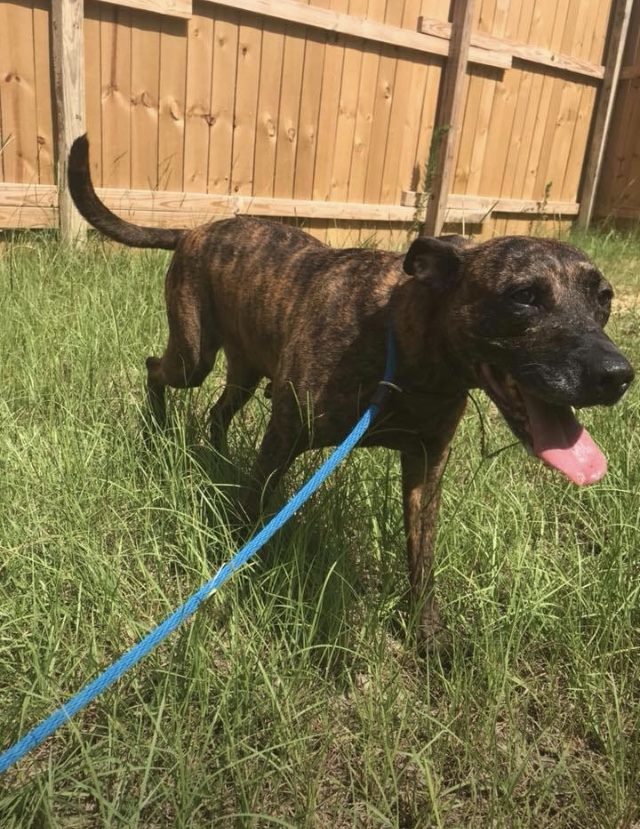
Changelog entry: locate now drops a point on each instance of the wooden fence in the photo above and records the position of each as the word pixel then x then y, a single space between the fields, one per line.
pixel 326 112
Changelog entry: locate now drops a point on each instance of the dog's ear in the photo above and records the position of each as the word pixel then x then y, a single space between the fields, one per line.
pixel 434 261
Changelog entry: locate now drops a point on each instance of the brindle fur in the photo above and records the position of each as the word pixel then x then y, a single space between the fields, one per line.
pixel 313 320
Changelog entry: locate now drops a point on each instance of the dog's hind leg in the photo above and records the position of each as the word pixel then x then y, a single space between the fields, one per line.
pixel 240 385
pixel 189 355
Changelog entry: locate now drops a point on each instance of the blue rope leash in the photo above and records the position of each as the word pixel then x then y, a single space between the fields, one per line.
pixel 138 652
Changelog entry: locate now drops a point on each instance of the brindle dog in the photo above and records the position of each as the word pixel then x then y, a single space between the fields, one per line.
pixel 520 317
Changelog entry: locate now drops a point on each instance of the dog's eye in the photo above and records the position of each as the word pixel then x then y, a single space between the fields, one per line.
pixel 605 295
pixel 525 296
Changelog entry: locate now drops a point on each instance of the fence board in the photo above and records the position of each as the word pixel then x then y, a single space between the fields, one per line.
pixel 171 104
pixel 246 103
pixel 328 111
pixel 145 95
pixel 115 72
pixel 541 30
pixel 347 110
pixel 309 113
pixel 386 90
pixel 365 110
pixel 200 35
pixel 222 105
pixel 43 92
pixel 93 85
pixel 17 93
pixel 268 104
pixel 289 112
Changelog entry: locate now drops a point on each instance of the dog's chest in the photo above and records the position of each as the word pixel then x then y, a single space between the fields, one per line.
pixel 411 421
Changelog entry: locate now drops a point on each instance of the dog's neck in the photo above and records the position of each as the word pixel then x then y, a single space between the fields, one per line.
pixel 424 361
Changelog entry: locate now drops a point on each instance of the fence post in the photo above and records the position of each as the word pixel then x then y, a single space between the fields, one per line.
pixel 618 29
pixel 67 18
pixel 449 115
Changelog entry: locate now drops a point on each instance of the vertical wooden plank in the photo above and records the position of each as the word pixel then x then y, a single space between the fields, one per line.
pixel 604 109
pixel 385 92
pixel 440 10
pixel 171 116
pixel 44 92
pixel 289 112
pixel 540 32
pixel 347 109
pixel 115 61
pixel 450 113
pixel 268 105
pixel 416 164
pixel 198 101
pixel 309 112
pixel 93 87
pixel 366 105
pixel 145 88
pixel 223 90
pixel 595 23
pixel 68 65
pixel 490 178
pixel 557 115
pixel 477 108
pixel 328 114
pixel 514 135
pixel 412 113
pixel 535 180
pixel 569 100
pixel 246 105
pixel 17 95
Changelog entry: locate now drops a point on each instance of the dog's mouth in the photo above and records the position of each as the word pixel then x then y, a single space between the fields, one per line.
pixel 549 431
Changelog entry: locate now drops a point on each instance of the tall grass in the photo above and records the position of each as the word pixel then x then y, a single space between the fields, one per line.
pixel 293 698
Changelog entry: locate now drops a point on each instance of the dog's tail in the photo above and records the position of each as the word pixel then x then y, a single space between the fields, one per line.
pixel 98 215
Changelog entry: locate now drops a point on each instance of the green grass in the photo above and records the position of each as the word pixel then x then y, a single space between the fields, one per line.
pixel 293 697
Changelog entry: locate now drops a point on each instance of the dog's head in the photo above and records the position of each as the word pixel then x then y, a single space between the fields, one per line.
pixel 523 318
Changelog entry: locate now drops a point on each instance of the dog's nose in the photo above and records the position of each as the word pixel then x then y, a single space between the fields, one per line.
pixel 615 378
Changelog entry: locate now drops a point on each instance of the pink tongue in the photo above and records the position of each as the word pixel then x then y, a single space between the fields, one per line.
pixel 563 443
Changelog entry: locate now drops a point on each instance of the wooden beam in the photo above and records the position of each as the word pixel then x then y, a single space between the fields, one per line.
pixel 618 30
pixel 67 40
pixel 190 209
pixel 172 8
pixel 448 123
pixel 487 205
pixel 207 206
pixel 514 49
pixel 329 21
pixel 28 205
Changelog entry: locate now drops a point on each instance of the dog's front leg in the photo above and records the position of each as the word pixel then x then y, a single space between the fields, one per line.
pixel 421 474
